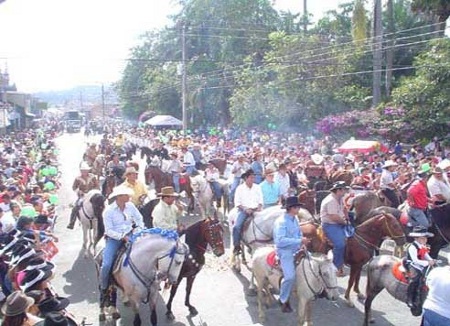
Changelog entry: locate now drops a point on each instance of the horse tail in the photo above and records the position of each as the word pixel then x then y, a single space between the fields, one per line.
pixel 100 230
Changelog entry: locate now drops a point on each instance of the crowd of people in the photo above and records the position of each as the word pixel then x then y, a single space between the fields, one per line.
pixel 28 200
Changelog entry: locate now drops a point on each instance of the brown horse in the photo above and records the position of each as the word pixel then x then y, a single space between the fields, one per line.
pixel 162 179
pixel 440 227
pixel 342 175
pixel 364 203
pixel 361 247
pixel 109 183
pixel 308 197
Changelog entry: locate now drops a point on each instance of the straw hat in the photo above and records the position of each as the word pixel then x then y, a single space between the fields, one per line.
pixel 120 190
pixel 269 171
pixel 168 192
pixel 389 163
pixel 16 304
pixel 84 166
pixel 130 169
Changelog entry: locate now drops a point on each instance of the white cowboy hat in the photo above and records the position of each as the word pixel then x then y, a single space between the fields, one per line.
pixel 389 163
pixel 84 166
pixel 120 190
pixel 130 169
pixel 444 164
pixel 317 158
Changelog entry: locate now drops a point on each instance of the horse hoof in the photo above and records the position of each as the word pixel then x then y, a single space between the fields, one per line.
pixel 115 315
pixel 237 270
pixel 102 317
pixel 372 320
pixel 193 311
pixel 350 303
pixel 361 297
pixel 170 315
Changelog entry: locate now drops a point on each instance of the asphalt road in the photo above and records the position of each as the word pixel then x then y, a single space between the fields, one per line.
pixel 218 293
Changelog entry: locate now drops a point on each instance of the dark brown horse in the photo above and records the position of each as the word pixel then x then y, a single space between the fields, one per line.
pixel 367 239
pixel 109 183
pixel 198 237
pixel 440 227
pixel 162 179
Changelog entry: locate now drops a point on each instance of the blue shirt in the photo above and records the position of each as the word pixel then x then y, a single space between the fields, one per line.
pixel 119 223
pixel 271 192
pixel 287 234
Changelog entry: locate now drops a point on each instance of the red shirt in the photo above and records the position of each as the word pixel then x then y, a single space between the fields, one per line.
pixel 418 192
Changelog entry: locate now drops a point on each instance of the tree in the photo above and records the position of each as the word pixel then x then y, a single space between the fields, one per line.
pixel 439 9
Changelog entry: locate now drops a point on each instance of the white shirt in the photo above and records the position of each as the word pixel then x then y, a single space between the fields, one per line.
pixel 386 178
pixel 119 223
pixel 438 187
pixel 188 159
pixel 284 183
pixel 248 197
pixel 438 298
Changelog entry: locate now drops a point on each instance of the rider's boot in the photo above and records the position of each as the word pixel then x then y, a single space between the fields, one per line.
pixel 103 297
pixel 237 250
pixel 411 294
pixel 73 217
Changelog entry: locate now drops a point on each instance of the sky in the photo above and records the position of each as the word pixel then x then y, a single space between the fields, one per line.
pixel 59 44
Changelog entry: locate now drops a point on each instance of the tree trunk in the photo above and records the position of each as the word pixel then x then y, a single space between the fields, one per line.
pixel 377 53
pixel 390 46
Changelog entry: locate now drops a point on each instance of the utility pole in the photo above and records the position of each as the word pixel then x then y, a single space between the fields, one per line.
pixel 183 75
pixel 377 53
pixel 305 15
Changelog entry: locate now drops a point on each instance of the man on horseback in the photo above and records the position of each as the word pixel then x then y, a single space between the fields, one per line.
pixel 438 188
pixel 417 260
pixel 188 160
pixel 270 189
pixel 387 184
pixel 167 212
pixel 287 237
pixel 334 220
pixel 132 182
pixel 120 218
pixel 116 166
pixel 418 199
pixel 212 175
pixel 82 185
pixel 248 199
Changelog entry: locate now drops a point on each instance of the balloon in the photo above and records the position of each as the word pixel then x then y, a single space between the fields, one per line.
pixel 53 199
pixel 49 186
pixel 28 211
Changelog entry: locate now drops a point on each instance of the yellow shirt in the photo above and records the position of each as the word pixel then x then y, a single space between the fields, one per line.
pixel 166 216
pixel 139 190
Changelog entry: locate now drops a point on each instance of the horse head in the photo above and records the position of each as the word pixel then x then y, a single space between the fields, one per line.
pixel 169 265
pixel 213 233
pixel 392 228
pixel 325 271
pixel 98 204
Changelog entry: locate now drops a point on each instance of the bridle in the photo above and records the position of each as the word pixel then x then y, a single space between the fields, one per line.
pixel 324 285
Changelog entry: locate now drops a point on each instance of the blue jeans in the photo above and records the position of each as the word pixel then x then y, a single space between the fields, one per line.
pixel 288 267
pixel 109 253
pixel 336 234
pixel 217 190
pixel 189 169
pixel 418 217
pixel 430 318
pixel 236 182
pixel 237 228
pixel 176 181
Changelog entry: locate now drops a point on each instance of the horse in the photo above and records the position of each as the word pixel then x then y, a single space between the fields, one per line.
pixel 361 246
pixel 343 175
pixel 383 273
pixel 440 227
pixel 198 236
pixel 111 181
pixel 364 203
pixel 162 179
pixel 308 196
pixel 90 214
pixel 138 278
pixel 315 277
pixel 98 165
pixel 203 194
pixel 146 153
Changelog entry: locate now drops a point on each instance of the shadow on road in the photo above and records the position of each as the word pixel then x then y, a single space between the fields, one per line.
pixel 81 274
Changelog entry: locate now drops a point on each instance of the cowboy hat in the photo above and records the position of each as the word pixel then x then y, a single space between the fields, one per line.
pixel 33 277
pixel 388 164
pixel 84 166
pixel 424 169
pixel 130 169
pixel 317 158
pixel 39 263
pixel 120 190
pixel 292 202
pixel 437 170
pixel 16 304
pixel 247 173
pixel 55 319
pixel 168 192
pixel 339 185
pixel 52 304
pixel 269 170
pixel 420 231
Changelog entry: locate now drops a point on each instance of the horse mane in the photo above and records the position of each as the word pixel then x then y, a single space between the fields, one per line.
pixel 370 220
pixel 440 216
pixel 193 233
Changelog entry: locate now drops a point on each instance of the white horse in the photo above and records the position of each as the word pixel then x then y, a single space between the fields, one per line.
pixel 90 213
pixel 315 275
pixel 138 278
pixel 259 232
pixel 203 195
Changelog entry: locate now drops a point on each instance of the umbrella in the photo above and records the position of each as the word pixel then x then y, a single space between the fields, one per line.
pixel 362 146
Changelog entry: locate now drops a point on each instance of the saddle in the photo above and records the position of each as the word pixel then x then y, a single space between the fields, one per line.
pixel 183 178
pixel 400 272
pixel 273 260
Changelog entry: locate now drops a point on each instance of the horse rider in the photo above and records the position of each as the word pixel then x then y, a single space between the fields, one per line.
pixel 212 174
pixel 168 211
pixel 237 169
pixel 287 237
pixel 198 155
pixel 435 307
pixel 258 167
pixel 121 217
pixel 116 166
pixel 437 187
pixel 82 184
pixel 91 154
pixel 175 167
pixel 132 182
pixel 248 199
pixel 119 141
pixel 418 200
pixel 270 189
pixel 160 151
pixel 104 143
pixel 291 166
pixel 334 221
pixel 387 184
pixel 417 259
pixel 188 160
pixel 282 178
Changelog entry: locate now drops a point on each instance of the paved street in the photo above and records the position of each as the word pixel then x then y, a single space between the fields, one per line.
pixel 218 293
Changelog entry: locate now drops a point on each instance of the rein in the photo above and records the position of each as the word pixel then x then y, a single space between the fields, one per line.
pixel 90 218
pixel 319 277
